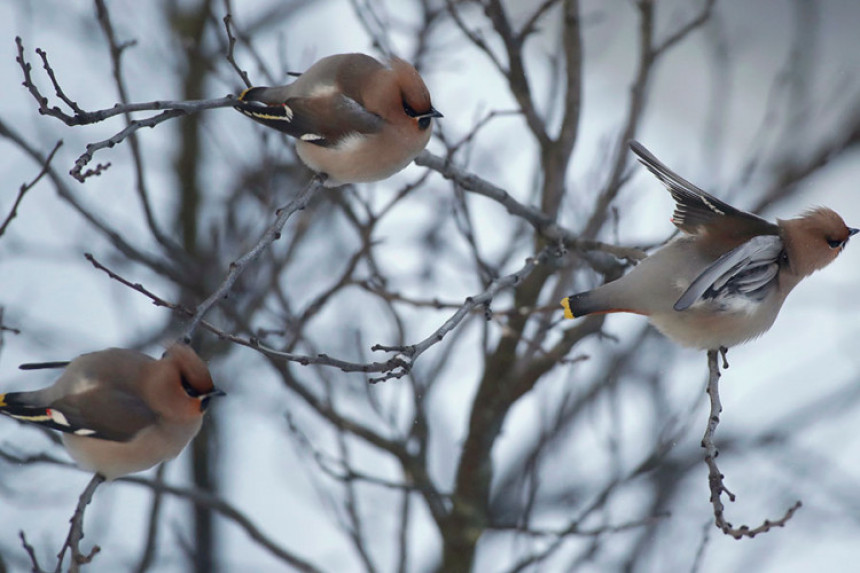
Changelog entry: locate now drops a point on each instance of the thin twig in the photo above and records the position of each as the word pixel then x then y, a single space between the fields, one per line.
pixel 543 224
pixel 82 117
pixel 395 367
pixel 31 551
pixel 27 186
pixel 215 503
pixel 151 545
pixel 117 49
pixel 413 351
pixel 193 495
pixel 649 55
pixel 169 110
pixel 238 266
pixel 574 528
pixel 231 46
pixel 716 479
pixel 112 235
pixel 76 531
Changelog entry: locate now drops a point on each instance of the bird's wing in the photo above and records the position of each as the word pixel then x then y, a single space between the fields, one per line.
pixel 108 414
pixel 745 270
pixel 322 120
pixel 697 210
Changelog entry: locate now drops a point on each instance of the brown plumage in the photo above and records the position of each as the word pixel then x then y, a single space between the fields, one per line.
pixel 354 118
pixel 121 411
pixel 723 281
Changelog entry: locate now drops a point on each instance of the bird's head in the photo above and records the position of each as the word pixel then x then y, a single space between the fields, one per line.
pixel 815 239
pixel 414 94
pixel 187 380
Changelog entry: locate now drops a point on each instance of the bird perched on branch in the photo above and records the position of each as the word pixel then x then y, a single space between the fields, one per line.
pixel 120 411
pixel 723 281
pixel 354 118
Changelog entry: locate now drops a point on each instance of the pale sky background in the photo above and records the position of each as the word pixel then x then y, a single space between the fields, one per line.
pixel 66 307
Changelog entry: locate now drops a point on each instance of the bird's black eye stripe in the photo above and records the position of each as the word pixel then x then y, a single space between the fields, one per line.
pixel 189 389
pixel 835 243
pixel 408 109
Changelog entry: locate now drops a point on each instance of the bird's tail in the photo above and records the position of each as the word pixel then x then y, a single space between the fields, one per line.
pixel 602 300
pixel 251 94
pixel 23 406
pixel 16 405
pixel 581 304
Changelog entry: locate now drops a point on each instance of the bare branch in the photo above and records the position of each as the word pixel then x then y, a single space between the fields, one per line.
pixel 172 109
pixel 574 528
pixel 193 495
pixel 413 351
pixel 544 225
pixel 110 234
pixel 649 54
pixel 230 512
pixel 31 551
pixel 26 187
pixel 231 46
pixel 82 117
pixel 715 478
pixel 117 49
pixel 238 267
pixel 678 35
pixel 76 532
pixel 395 367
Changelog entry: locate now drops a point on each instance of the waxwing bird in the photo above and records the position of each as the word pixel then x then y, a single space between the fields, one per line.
pixel 120 411
pixel 354 118
pixel 724 279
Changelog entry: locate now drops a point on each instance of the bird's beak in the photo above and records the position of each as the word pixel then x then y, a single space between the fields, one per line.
pixel 432 113
pixel 204 399
pixel 852 231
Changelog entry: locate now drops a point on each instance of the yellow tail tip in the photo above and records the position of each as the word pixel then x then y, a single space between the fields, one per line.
pixel 2 400
pixel 566 304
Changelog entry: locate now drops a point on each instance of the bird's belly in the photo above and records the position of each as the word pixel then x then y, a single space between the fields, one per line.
pixel 114 459
pixel 708 328
pixel 359 158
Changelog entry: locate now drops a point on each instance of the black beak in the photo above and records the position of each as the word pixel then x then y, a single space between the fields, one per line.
pixel 204 400
pixel 852 232
pixel 432 113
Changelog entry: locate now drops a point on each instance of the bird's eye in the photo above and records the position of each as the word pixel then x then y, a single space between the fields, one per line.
pixel 834 243
pixel 189 389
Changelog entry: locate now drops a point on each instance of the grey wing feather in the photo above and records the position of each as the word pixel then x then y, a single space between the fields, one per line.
pixel 694 207
pixel 322 121
pixel 105 413
pixel 743 270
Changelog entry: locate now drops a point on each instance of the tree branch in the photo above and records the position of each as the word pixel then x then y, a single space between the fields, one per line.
pixel 715 478
pixel 237 267
pixel 13 212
